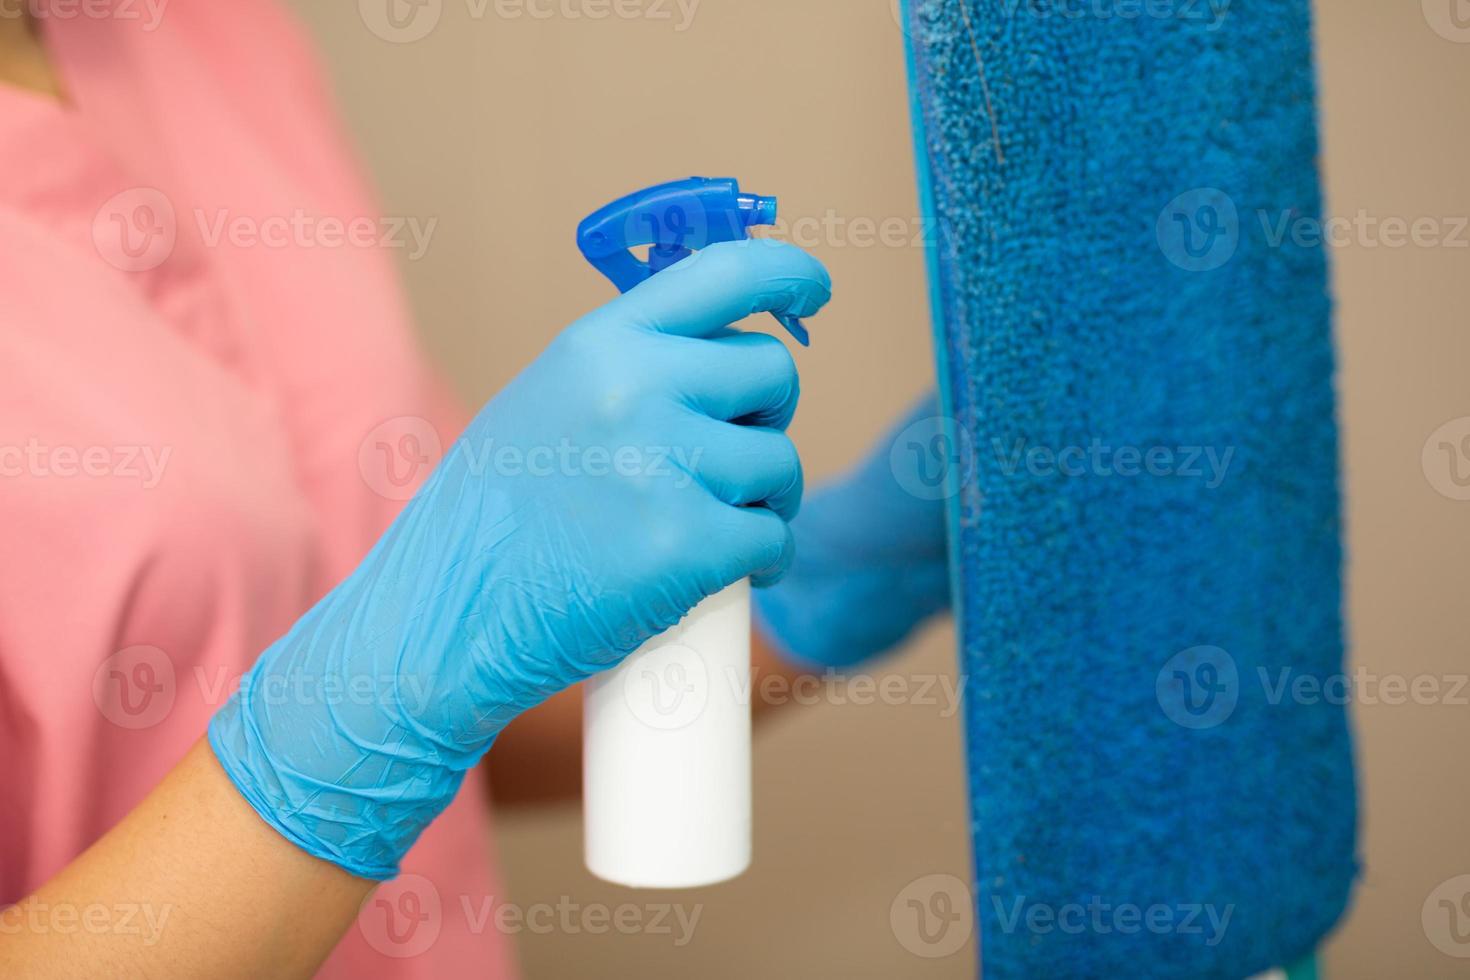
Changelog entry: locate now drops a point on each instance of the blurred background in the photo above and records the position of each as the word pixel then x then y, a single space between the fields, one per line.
pixel 508 120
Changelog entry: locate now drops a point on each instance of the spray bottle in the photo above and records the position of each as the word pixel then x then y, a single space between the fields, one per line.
pixel 666 734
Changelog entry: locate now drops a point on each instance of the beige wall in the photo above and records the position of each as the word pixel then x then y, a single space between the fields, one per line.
pixel 509 128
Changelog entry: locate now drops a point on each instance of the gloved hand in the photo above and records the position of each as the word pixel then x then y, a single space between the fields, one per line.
pixel 871 558
pixel 601 495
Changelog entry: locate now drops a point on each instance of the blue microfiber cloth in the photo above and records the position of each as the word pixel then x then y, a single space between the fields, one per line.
pixel 1148 546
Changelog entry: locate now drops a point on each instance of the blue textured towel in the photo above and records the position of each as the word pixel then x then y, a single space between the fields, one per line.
pixel 1148 552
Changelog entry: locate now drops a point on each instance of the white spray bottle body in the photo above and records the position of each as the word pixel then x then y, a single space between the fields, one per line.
pixel 666 753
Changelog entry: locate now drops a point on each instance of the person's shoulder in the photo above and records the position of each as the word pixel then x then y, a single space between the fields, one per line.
pixel 259 64
pixel 257 44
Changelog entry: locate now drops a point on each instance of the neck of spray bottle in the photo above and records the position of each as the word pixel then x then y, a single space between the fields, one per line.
pixel 666 734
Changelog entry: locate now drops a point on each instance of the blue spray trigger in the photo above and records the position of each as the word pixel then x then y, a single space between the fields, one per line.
pixel 795 327
pixel 673 220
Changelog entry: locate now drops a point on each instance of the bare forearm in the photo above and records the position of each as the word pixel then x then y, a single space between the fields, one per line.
pixel 191 883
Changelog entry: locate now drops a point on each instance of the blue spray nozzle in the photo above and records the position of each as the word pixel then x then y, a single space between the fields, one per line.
pixel 757 210
pixel 673 220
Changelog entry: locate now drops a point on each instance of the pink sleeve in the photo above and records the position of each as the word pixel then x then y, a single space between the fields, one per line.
pixel 192 451
pixel 321 317
pixel 154 541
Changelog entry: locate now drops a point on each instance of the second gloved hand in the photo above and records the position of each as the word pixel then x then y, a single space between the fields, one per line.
pixel 636 467
pixel 871 560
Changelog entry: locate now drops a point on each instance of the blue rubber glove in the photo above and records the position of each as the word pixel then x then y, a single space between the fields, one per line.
pixel 601 495
pixel 871 557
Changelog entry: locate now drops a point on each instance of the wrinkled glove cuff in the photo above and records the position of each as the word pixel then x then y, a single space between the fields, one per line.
pixel 361 811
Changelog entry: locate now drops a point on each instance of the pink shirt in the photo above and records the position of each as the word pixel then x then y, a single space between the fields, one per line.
pixel 210 405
